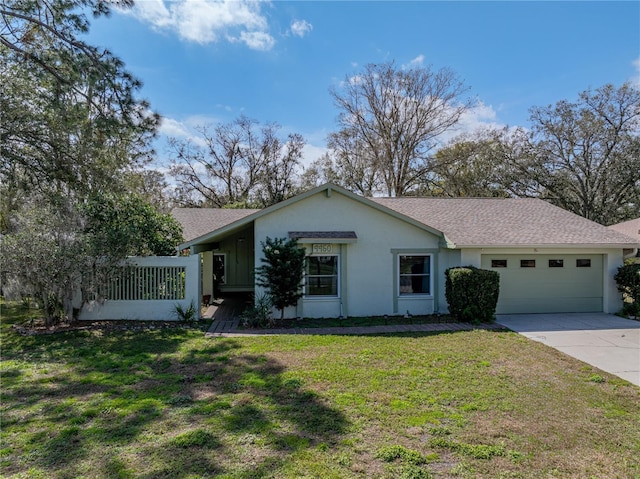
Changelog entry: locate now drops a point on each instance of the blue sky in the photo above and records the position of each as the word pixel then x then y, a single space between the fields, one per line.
pixel 204 62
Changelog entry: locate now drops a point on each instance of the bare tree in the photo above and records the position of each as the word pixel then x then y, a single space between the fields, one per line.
pixel 239 164
pixel 278 179
pixel 318 173
pixel 354 163
pixel 220 170
pixel 390 120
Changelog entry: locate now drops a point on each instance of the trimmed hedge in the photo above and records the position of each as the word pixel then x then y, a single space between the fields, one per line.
pixel 628 279
pixel 472 293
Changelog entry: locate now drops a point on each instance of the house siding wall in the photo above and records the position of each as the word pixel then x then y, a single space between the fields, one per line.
pixel 368 269
pixel 448 259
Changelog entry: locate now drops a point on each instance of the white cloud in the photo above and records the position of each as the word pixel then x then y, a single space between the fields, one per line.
pixel 172 128
pixel 300 28
pixel 311 153
pixel 257 40
pixel 194 122
pixel 415 63
pixel 353 80
pixel 152 11
pixel 208 21
pixel 478 117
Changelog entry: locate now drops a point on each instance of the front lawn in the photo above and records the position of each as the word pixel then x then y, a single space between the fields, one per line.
pixel 168 403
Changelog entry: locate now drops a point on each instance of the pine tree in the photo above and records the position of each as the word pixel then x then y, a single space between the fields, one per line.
pixel 282 271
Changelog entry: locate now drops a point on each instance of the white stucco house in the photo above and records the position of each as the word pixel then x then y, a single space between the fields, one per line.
pixel 377 256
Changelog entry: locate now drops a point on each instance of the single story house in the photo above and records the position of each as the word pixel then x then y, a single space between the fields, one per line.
pixel 630 228
pixel 387 256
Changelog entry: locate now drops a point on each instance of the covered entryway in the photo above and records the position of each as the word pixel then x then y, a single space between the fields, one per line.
pixel 557 283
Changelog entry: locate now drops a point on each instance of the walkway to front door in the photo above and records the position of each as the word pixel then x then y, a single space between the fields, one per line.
pixel 228 307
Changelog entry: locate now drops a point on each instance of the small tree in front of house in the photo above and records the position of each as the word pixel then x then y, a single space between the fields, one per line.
pixel 281 272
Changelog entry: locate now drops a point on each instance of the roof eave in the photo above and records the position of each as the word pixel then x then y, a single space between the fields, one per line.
pixel 549 245
pixel 215 234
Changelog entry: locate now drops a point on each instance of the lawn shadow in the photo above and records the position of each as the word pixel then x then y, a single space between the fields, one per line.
pixel 95 400
pixel 259 416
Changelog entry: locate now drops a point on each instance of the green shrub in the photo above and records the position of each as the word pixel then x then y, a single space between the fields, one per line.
pixel 628 280
pixel 259 315
pixel 631 309
pixel 188 314
pixel 472 293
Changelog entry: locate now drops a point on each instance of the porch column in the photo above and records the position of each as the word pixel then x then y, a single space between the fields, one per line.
pixel 207 273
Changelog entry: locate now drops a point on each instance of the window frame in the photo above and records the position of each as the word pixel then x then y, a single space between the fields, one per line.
pixel 527 263
pixel 495 263
pixel 583 262
pixel 555 263
pixel 306 276
pixel 400 275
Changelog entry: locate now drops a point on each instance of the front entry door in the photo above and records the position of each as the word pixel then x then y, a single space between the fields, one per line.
pixel 219 273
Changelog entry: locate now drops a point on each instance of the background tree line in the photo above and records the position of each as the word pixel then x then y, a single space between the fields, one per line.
pixel 79 192
pixel 582 155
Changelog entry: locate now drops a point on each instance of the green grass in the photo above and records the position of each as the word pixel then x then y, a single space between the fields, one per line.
pixel 168 403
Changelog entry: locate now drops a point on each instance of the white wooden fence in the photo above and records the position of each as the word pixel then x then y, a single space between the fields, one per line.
pixel 149 288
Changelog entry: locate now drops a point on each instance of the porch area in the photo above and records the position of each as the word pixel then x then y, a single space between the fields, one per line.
pixel 225 312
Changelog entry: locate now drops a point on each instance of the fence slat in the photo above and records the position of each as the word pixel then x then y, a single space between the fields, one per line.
pixel 142 283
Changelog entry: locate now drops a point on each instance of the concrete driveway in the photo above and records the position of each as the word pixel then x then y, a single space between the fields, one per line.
pixel 605 341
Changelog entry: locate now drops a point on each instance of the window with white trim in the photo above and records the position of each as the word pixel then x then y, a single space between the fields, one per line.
pixel 414 274
pixel 321 275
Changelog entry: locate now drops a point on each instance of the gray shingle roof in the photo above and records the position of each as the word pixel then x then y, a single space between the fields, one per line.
pixel 200 221
pixel 503 221
pixel 630 228
pixel 466 222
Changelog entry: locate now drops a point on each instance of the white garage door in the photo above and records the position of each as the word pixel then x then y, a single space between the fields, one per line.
pixel 547 283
